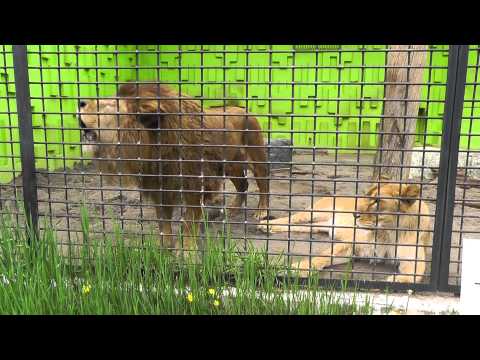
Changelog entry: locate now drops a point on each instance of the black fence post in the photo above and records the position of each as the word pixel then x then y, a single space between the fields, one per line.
pixel 452 122
pixel 24 110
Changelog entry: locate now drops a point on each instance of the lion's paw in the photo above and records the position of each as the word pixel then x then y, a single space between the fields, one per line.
pixel 400 278
pixel 263 227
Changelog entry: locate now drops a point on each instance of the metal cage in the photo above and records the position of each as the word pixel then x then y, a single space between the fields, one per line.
pixel 250 142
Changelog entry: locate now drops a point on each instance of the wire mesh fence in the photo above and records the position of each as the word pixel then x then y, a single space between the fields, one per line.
pixel 340 160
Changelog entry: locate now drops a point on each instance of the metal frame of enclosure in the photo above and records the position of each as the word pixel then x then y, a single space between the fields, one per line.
pixel 320 140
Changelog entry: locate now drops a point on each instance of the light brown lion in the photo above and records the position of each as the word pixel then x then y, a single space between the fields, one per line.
pixel 396 207
pixel 159 142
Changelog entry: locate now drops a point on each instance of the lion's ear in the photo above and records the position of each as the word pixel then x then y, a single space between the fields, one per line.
pixel 409 193
pixel 371 189
pixel 152 106
pixel 150 121
pixel 141 98
pixel 127 90
pixel 146 115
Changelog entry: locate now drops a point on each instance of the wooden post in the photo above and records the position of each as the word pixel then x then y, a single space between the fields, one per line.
pixel 398 126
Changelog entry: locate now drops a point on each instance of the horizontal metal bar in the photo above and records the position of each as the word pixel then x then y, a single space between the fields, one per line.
pixel 243 51
pixel 225 98
pixel 217 52
pixel 243 82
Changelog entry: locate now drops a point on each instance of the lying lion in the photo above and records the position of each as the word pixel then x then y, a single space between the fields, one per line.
pixel 395 206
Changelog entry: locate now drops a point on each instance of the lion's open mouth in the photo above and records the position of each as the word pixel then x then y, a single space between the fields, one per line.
pixel 88 149
pixel 88 138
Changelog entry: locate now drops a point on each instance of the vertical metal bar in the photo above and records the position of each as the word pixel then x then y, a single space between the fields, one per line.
pixel 24 110
pixel 452 121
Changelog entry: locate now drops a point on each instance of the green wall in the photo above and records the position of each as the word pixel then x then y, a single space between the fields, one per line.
pixel 56 87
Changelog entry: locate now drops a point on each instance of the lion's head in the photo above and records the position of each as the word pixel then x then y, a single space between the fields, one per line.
pixel 116 134
pixel 122 133
pixel 101 121
pixel 382 205
pixel 136 107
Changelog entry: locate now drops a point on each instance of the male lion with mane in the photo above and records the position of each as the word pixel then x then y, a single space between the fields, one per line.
pixel 159 142
pixel 396 207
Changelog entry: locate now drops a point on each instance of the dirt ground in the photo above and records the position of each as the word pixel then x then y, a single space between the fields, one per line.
pixel 60 196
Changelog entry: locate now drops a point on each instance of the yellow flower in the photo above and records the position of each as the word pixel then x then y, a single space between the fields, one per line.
pixel 86 288
pixel 211 292
pixel 190 297
pixel 216 303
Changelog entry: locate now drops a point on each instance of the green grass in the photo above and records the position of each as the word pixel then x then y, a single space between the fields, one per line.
pixel 112 278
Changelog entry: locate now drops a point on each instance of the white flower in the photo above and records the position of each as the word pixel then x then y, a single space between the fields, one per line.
pixel 5 280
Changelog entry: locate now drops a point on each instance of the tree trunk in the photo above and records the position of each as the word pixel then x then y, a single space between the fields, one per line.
pixel 398 126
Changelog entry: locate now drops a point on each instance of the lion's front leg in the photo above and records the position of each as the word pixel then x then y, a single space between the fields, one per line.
pixel 167 238
pixel 321 223
pixel 164 212
pixel 341 253
pixel 412 265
